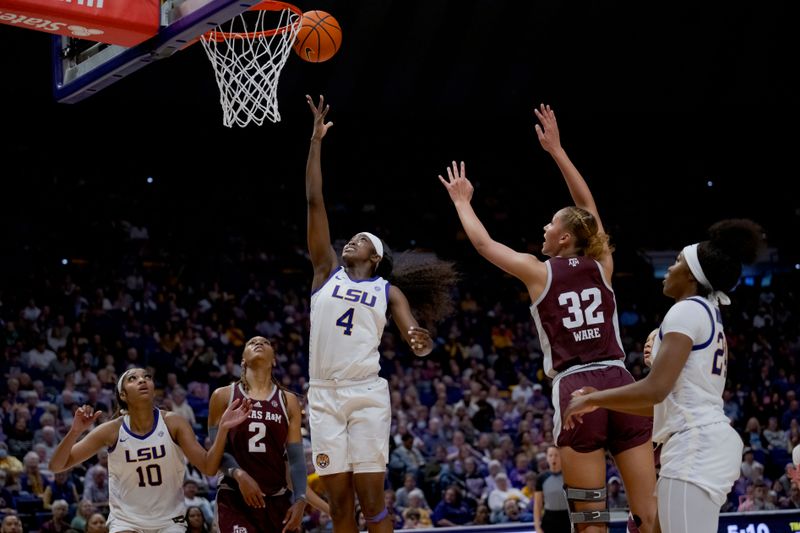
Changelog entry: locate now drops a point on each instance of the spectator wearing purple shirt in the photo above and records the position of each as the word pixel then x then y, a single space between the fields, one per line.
pixel 451 511
pixel 522 465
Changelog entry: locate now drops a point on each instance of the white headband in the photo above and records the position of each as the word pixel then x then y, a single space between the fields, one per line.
pixel 121 379
pixel 690 256
pixel 376 242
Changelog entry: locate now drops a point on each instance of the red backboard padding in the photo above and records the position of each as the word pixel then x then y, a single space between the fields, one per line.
pixel 121 22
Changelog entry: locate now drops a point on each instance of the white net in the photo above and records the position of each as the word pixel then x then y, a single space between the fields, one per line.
pixel 248 54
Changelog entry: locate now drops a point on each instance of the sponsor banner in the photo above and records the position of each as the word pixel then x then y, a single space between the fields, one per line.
pixel 120 22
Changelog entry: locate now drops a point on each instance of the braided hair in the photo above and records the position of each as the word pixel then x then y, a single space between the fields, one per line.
pixel 589 240
pixel 122 405
pixel 243 378
pixel 246 386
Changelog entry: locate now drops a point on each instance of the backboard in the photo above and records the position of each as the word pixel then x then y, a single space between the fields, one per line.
pixel 82 68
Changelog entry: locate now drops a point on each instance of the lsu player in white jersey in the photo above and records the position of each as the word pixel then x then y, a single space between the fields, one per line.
pixel 146 450
pixel 349 406
pixel 701 453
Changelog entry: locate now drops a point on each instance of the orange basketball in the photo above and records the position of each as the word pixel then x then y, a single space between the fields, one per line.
pixel 318 38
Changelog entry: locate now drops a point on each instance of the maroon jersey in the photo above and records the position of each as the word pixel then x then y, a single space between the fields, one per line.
pixel 576 315
pixel 259 443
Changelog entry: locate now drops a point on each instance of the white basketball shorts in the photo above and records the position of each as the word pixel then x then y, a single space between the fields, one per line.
pixel 707 456
pixel 350 422
pixel 118 525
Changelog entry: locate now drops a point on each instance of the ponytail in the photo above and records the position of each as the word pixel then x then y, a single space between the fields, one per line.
pixel 426 281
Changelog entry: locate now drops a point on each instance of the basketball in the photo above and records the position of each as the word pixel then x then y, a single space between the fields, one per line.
pixel 319 37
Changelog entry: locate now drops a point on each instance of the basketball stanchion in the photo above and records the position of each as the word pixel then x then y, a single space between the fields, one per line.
pixel 247 55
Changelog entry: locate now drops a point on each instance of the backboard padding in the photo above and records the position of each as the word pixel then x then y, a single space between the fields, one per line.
pixel 80 76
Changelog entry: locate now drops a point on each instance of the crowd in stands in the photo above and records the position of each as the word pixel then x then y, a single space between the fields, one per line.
pixel 471 422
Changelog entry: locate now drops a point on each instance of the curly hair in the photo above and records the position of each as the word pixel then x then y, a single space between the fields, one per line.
pixel 731 243
pixel 426 281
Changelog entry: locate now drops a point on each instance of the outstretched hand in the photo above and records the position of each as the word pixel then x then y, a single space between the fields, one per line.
pixel 457 184
pixel 547 129
pixel 236 413
pixel 420 341
pixel 85 417
pixel 579 405
pixel 320 112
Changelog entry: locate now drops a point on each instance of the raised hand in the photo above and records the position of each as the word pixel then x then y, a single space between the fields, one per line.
pixel 547 129
pixel 420 341
pixel 578 406
pixel 85 417
pixel 320 112
pixel 294 516
pixel 236 413
pixel 458 186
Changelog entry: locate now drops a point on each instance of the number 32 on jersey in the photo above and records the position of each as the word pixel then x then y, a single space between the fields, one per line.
pixel 580 316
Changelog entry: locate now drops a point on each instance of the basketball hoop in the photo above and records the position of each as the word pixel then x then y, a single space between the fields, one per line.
pixel 247 56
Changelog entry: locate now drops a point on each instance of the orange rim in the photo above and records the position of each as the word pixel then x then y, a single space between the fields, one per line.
pixel 266 5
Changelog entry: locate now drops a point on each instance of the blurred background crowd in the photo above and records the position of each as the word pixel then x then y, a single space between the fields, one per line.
pixel 472 422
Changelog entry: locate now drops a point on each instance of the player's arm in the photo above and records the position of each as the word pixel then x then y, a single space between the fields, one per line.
pixel 550 139
pixel 638 398
pixel 417 337
pixel 524 267
pixel 323 257
pixel 217 405
pixel 183 434
pixel 248 487
pixel 297 465
pixel 316 501
pixel 70 451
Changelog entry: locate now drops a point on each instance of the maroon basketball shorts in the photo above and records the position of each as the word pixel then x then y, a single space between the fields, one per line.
pixel 610 430
pixel 235 516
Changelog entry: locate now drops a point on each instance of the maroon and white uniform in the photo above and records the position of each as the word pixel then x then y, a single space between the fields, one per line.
pixel 576 317
pixel 259 446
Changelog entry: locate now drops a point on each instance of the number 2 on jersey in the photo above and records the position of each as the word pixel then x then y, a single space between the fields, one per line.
pixel 346 321
pixel 254 443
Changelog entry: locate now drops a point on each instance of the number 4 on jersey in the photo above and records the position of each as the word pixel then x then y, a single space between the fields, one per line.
pixel 346 321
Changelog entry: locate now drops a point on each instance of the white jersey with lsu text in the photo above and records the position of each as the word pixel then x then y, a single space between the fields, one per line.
pixel 145 485
pixel 696 397
pixel 347 321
